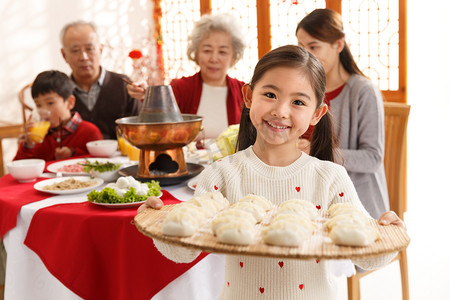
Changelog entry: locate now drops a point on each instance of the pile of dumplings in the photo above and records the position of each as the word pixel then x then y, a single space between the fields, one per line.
pixel 348 226
pixel 236 224
pixel 293 223
pixel 186 218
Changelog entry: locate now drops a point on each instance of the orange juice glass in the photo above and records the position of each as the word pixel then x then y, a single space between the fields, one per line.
pixel 38 131
pixel 121 141
pixel 122 146
pixel 133 152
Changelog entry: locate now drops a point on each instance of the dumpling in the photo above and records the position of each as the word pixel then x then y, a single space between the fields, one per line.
pixel 338 208
pixel 219 221
pixel 296 211
pixel 258 200
pixel 219 200
pixel 184 220
pixel 285 233
pixel 211 207
pixel 239 233
pixel 256 210
pixel 353 235
pixel 238 213
pixel 296 219
pixel 356 218
pixel 296 204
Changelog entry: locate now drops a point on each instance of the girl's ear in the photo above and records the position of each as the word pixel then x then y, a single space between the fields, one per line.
pixel 70 102
pixel 318 114
pixel 247 94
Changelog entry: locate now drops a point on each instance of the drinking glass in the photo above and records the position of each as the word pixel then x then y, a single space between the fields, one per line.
pixel 41 123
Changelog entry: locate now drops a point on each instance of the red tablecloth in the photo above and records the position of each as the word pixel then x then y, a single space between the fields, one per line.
pixel 98 253
pixel 13 195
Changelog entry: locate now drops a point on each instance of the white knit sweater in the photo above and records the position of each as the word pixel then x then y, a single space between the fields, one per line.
pixel 247 277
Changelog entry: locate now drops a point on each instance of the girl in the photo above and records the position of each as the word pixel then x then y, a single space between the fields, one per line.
pixel 285 96
pixel 355 103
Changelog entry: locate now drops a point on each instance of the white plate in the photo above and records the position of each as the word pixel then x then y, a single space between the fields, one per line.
pixel 123 205
pixel 192 184
pixel 54 167
pixel 40 185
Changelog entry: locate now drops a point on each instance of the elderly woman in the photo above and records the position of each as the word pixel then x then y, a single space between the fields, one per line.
pixel 215 45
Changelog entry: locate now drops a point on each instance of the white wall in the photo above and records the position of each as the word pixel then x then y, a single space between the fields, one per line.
pixel 29 44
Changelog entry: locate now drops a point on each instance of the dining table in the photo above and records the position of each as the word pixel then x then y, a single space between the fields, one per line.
pixel 61 246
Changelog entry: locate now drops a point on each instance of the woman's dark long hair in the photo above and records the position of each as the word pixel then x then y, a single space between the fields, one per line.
pixel 323 142
pixel 326 25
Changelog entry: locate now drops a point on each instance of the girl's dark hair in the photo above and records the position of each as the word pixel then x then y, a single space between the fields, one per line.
pixel 323 143
pixel 326 25
pixel 52 81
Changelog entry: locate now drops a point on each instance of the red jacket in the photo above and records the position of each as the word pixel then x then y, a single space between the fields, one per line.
pixel 188 91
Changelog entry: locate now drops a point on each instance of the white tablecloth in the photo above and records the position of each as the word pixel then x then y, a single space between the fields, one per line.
pixel 27 278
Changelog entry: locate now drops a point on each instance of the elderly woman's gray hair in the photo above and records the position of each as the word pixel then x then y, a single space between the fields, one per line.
pixel 220 22
pixel 74 24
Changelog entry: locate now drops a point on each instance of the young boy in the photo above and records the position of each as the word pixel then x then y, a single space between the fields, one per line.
pixel 52 91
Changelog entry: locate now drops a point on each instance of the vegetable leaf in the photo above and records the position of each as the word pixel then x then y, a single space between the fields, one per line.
pixel 98 166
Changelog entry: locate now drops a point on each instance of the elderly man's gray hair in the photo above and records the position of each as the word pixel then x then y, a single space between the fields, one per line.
pixel 74 24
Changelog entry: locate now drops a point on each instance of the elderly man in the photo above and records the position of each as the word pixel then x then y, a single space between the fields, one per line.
pixel 101 95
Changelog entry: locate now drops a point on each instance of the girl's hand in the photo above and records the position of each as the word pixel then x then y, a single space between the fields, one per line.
pixel 152 202
pixel 391 217
pixel 137 89
pixel 62 153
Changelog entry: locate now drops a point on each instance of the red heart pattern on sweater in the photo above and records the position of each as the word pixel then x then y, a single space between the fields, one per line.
pixel 341 194
pixel 318 206
pixel 261 290
pixel 300 286
pixel 241 264
pixel 297 188
pixel 317 261
pixel 215 187
pixel 281 264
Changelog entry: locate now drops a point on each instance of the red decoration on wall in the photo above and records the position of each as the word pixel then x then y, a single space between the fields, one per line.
pixel 135 54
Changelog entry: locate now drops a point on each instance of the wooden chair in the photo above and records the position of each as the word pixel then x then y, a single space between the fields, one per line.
pixel 396 121
pixel 14 130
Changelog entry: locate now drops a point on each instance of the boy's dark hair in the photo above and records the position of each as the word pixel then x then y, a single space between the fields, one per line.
pixel 52 81
pixel 323 140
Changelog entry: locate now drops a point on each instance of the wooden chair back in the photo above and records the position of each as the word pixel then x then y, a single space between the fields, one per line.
pixel 25 107
pixel 396 121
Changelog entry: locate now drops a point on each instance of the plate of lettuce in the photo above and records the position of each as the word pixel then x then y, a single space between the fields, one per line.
pixel 125 192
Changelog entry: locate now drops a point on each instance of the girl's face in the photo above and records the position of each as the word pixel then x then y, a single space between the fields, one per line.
pixel 215 56
pixel 326 53
pixel 282 106
pixel 59 109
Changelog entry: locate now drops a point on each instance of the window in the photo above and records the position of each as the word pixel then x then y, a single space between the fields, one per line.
pixel 375 32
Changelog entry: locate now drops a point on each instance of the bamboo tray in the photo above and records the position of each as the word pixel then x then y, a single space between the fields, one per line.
pixel 319 246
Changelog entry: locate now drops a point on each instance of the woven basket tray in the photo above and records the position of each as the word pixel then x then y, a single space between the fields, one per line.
pixel 319 246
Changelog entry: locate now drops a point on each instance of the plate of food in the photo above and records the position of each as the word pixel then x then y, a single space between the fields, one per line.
pixel 125 192
pixel 68 185
pixel 71 167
